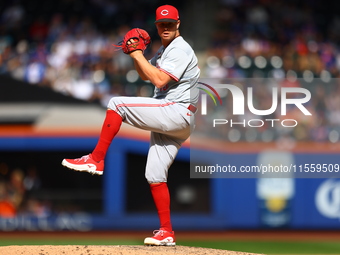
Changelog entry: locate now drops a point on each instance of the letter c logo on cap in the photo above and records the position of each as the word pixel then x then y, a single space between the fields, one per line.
pixel 164 12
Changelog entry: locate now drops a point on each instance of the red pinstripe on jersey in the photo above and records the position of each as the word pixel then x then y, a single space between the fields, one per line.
pixel 171 75
pixel 143 105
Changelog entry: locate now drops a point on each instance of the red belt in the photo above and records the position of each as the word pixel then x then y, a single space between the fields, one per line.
pixel 192 108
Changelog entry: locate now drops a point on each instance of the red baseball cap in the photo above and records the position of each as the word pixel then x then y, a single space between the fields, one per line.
pixel 166 13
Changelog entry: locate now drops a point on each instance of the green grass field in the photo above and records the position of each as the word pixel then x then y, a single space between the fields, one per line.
pixel 272 247
pixel 266 247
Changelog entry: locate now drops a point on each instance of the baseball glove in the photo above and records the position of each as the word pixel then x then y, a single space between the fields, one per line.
pixel 135 39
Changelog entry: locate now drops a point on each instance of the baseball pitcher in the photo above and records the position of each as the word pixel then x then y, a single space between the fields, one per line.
pixel 168 114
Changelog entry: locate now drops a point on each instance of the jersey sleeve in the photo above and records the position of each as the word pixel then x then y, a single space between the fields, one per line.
pixel 152 61
pixel 175 63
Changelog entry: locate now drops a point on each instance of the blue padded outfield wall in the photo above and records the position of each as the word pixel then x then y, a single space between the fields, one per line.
pixel 235 203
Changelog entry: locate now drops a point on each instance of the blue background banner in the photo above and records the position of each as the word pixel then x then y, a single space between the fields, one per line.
pixel 234 203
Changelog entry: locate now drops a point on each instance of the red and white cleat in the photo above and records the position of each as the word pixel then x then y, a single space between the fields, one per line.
pixel 161 237
pixel 85 164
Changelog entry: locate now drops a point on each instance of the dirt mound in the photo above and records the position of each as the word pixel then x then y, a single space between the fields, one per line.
pixel 111 250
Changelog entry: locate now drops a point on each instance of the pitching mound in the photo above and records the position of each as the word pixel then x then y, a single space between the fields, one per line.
pixel 111 250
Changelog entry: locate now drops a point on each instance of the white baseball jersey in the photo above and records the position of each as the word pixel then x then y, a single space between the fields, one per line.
pixel 179 61
pixel 166 115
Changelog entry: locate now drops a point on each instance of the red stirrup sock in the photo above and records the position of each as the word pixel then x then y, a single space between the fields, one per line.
pixel 161 197
pixel 110 128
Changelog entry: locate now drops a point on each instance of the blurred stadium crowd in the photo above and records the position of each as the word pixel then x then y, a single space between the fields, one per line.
pixel 284 44
pixel 17 192
pixel 67 45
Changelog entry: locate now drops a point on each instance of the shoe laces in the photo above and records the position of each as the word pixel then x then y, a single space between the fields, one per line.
pixel 83 158
pixel 158 232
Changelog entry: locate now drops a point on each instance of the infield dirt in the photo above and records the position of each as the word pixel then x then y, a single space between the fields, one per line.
pixel 111 250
